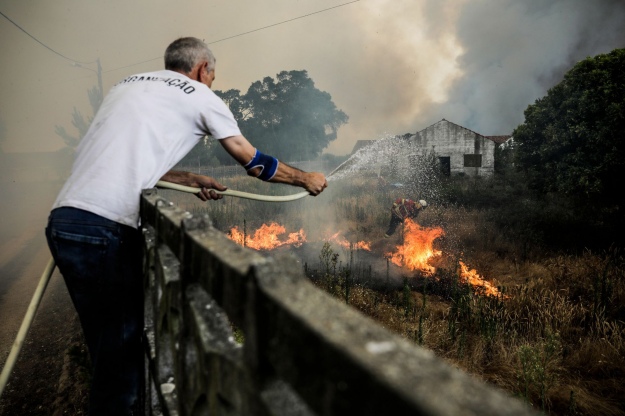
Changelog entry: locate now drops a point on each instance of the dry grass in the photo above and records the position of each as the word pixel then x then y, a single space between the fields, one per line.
pixel 557 340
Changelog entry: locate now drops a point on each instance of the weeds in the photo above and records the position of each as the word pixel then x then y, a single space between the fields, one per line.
pixel 537 367
pixel 557 336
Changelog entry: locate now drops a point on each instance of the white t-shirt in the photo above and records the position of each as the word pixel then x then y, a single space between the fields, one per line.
pixel 146 124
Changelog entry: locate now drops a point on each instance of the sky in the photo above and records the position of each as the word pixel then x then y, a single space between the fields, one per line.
pixel 393 66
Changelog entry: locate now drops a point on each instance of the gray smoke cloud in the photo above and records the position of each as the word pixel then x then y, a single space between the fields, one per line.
pixel 393 66
pixel 514 51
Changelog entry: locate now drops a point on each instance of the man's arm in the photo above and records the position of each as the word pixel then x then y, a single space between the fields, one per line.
pixel 205 183
pixel 242 151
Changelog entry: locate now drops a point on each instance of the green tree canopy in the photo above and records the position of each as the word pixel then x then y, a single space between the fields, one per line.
pixel 287 117
pixel 572 141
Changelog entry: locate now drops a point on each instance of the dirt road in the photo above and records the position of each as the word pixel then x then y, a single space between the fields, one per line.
pixel 50 357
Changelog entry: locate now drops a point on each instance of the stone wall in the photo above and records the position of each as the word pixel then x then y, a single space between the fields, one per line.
pixel 234 333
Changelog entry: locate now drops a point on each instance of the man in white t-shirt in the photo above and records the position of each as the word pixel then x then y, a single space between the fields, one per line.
pixel 145 125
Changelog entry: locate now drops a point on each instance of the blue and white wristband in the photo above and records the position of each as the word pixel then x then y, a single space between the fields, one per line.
pixel 268 165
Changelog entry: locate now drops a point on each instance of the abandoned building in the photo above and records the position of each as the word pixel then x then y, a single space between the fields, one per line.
pixel 458 150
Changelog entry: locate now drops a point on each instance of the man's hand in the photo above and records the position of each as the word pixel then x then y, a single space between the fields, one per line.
pixel 205 183
pixel 207 186
pixel 315 183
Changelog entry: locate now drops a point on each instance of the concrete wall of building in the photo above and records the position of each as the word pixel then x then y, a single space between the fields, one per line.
pixel 446 139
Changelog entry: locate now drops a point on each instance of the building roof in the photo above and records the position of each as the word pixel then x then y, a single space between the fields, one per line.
pixel 496 139
pixel 499 139
pixel 360 144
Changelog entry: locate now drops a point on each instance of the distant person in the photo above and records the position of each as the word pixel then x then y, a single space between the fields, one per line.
pixel 145 125
pixel 403 208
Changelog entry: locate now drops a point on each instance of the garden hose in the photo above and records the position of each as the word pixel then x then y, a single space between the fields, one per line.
pixel 28 320
pixel 47 273
pixel 238 194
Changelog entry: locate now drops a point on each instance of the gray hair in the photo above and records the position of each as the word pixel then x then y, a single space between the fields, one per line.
pixel 184 53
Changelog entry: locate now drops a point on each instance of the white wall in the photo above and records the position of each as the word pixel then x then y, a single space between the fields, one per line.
pixel 447 139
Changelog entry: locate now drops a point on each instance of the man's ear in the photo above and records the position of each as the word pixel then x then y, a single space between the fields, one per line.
pixel 196 72
pixel 203 68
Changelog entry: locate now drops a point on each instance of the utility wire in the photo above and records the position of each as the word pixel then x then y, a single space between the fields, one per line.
pixel 247 33
pixel 135 64
pixel 43 44
pixel 161 57
pixel 284 21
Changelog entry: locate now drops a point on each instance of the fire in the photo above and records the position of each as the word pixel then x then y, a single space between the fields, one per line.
pixel 414 254
pixel 342 241
pixel 474 279
pixel 267 237
pixel 417 248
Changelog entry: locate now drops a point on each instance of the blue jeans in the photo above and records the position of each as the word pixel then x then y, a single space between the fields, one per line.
pixel 101 263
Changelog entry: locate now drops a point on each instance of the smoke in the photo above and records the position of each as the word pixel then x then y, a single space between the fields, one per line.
pixel 479 64
pixel 398 64
pixel 514 51
pixel 393 66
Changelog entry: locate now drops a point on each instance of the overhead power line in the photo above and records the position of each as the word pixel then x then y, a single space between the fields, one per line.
pixel 161 57
pixel 43 44
pixel 284 21
pixel 247 33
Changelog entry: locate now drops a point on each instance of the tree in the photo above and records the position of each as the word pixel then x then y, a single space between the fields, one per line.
pixel 572 141
pixel 96 96
pixel 288 117
pixel 202 154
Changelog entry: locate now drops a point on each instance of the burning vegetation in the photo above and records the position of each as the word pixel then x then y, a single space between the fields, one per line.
pixel 414 254
pixel 267 237
pixel 471 277
pixel 417 249
pixel 550 330
pixel 343 242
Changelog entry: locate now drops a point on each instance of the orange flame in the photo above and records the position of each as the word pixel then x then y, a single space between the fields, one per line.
pixel 474 279
pixel 266 237
pixel 417 248
pixel 342 241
